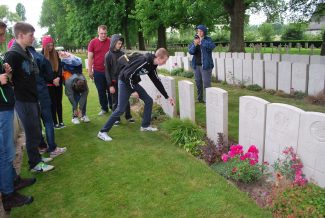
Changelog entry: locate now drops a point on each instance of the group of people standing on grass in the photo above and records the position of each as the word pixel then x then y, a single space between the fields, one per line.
pixel 38 80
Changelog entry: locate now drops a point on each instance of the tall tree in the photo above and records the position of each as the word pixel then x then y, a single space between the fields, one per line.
pixel 21 11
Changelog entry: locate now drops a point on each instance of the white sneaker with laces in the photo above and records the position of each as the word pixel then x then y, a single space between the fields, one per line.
pixel 42 167
pixel 75 120
pixel 46 159
pixel 101 113
pixel 103 136
pixel 148 129
pixel 85 119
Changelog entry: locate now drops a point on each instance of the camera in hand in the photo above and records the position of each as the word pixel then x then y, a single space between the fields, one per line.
pixel 196 36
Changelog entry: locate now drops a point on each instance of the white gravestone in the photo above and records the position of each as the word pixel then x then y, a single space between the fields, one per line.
pixel 248 56
pixel 247 72
pixel 316 83
pixel 222 55
pixel 238 71
pixel 299 77
pixel 258 72
pixel 282 130
pixel 186 100
pixel 276 57
pixel 228 55
pixel 286 57
pixel 86 64
pixel 180 53
pixel 271 74
pixel 229 62
pixel 241 55
pixel 214 69
pixel 216 113
pixel 311 146
pixel 149 87
pixel 267 57
pixel 258 56
pixel 234 55
pixel 252 119
pixel 221 69
pixel 187 64
pixel 317 59
pixel 169 84
pixel 215 55
pixel 300 59
pixel 284 77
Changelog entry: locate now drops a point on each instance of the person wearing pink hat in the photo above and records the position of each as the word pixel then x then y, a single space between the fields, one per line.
pixel 56 92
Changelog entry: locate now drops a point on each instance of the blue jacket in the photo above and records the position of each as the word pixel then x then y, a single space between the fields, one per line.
pixel 207 46
pixel 45 75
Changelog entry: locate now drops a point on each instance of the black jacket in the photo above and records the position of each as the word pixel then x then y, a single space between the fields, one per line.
pixel 7 98
pixel 111 67
pixel 140 65
pixel 24 69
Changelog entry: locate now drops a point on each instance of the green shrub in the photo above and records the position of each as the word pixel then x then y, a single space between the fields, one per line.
pixel 158 113
pixel 186 134
pixel 163 71
pixel 266 30
pixel 254 87
pixel 176 72
pixel 299 94
pixel 187 74
pixel 300 201
pixel 294 31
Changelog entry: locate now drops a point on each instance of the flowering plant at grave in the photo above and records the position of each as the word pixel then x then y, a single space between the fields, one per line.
pixel 290 167
pixel 240 166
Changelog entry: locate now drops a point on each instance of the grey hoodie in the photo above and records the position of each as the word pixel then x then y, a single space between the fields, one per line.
pixel 111 66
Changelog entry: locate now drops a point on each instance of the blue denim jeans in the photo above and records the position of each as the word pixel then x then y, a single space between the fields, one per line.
pixel 46 114
pixel 202 80
pixel 77 97
pixel 28 113
pixel 115 103
pixel 105 99
pixel 123 98
pixel 7 151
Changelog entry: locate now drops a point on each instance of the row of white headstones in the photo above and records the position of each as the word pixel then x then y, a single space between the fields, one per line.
pixel 270 126
pixel 304 73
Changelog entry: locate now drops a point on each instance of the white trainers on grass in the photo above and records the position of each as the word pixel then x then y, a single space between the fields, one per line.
pixel 148 129
pixel 85 119
pixel 102 112
pixel 47 159
pixel 75 120
pixel 58 151
pixel 42 167
pixel 103 136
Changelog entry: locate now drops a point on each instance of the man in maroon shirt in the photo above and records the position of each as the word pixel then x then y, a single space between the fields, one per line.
pixel 97 49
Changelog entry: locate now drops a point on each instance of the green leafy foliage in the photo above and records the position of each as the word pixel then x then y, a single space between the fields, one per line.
pixel 266 31
pixel 185 134
pixel 238 170
pixel 254 87
pixel 294 31
pixel 300 201
pixel 176 72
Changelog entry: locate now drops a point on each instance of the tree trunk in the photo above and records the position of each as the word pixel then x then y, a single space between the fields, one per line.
pixel 161 37
pixel 237 16
pixel 322 51
pixel 142 46
pixel 126 33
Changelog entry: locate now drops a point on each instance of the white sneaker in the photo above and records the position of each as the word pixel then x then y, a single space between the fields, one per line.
pixel 148 129
pixel 42 167
pixel 117 123
pixel 102 112
pixel 85 119
pixel 103 136
pixel 75 120
pixel 46 159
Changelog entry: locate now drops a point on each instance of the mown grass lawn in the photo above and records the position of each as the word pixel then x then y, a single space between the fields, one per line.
pixel 136 175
